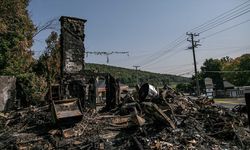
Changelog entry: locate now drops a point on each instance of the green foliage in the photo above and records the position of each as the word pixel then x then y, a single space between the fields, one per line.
pixel 236 71
pixel 184 87
pixel 34 87
pixel 15 25
pixel 128 76
pixel 239 68
pixel 16 31
pixel 48 64
pixel 213 65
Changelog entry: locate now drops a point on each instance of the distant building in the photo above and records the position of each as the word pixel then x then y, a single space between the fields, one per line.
pixel 232 91
pixel 209 87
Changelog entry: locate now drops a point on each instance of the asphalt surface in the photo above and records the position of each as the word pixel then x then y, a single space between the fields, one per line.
pixel 230 102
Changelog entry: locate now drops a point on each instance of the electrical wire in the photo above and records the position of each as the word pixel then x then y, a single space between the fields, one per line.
pixel 231 27
pixel 213 23
pixel 153 59
pixel 223 48
pixel 207 22
pixel 233 49
pixel 164 55
pixel 181 71
pixel 174 44
pixel 171 67
pixel 228 71
pixel 185 73
pixel 223 22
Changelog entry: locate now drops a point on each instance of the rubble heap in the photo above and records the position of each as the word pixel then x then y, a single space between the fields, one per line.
pixel 165 121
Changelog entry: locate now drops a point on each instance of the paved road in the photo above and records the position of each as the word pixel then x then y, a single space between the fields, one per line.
pixel 230 102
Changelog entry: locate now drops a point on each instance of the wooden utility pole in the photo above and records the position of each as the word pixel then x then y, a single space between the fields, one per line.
pixel 136 68
pixel 194 45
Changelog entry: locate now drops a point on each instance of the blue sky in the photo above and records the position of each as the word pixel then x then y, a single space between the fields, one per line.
pixel 145 28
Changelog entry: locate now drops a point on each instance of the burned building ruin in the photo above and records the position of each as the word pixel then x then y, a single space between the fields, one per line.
pixel 77 88
pixel 147 120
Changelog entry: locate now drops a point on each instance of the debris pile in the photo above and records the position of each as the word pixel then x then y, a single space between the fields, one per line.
pixel 167 120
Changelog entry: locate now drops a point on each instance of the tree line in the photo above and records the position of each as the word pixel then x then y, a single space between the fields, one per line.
pixel 233 70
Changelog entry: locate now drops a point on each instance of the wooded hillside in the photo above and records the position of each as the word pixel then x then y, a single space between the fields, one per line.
pixel 128 76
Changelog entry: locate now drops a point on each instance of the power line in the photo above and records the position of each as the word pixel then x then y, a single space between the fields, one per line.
pixel 178 67
pixel 162 52
pixel 185 73
pixel 158 55
pixel 228 71
pixel 190 69
pixel 229 52
pixel 233 26
pixel 174 67
pixel 171 67
pixel 232 49
pixel 156 61
pixel 223 48
pixel 229 15
pixel 220 23
pixel 181 70
pixel 153 59
pixel 181 67
pixel 221 18
pixel 202 25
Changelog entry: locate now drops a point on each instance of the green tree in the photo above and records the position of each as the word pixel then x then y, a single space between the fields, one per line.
pixel 16 32
pixel 48 64
pixel 225 60
pixel 184 87
pixel 244 67
pixel 238 69
pixel 213 65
